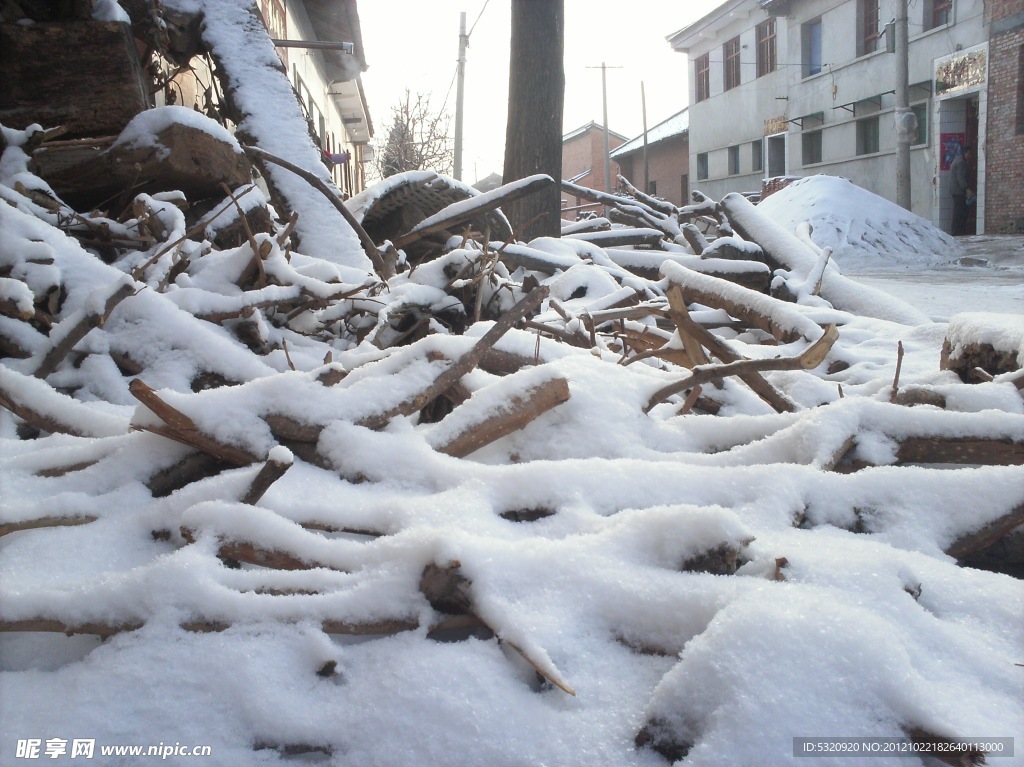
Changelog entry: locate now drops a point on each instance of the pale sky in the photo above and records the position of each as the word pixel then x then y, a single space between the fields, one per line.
pixel 415 45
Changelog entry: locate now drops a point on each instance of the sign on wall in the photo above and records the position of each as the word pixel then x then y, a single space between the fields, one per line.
pixel 962 71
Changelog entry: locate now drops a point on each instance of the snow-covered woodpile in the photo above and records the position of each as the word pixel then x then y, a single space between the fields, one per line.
pixel 669 486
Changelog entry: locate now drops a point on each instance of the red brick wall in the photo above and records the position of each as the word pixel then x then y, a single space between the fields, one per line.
pixel 1004 157
pixel 667 162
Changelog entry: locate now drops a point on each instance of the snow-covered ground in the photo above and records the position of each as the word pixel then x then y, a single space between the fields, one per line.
pixel 992 279
pixel 695 582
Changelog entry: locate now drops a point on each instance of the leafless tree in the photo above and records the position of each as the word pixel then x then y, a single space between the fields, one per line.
pixel 417 139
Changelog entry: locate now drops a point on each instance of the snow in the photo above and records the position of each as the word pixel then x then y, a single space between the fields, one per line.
pixel 873 628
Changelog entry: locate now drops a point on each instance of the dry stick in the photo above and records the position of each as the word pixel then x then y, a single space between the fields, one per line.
pixel 719 349
pixel 268 474
pixel 463 365
pixel 138 271
pixel 79 331
pixel 691 400
pixel 257 253
pixel 811 358
pixel 680 315
pixel 369 247
pixel 180 428
pixel 896 378
pixel 41 522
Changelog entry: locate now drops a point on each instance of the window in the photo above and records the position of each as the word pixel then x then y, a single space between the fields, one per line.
pixel 811 146
pixel 810 40
pixel 734 160
pixel 731 57
pixel 702 77
pixel 937 13
pixel 702 166
pixel 867 135
pixel 652 188
pixel 684 188
pixel 766 47
pixel 757 156
pixel 867 26
pixel 921 113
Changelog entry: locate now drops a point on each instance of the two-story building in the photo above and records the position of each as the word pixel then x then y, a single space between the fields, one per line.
pixel 799 87
pixel 321 45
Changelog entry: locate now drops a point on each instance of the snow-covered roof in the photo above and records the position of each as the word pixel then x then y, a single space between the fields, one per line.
pixel 676 125
pixel 589 127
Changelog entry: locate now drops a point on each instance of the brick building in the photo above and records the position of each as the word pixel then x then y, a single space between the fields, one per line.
pixel 1005 145
pixel 668 159
pixel 583 160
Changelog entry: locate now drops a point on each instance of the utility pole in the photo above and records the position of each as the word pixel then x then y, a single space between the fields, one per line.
pixel 643 110
pixel 459 94
pixel 905 118
pixel 604 102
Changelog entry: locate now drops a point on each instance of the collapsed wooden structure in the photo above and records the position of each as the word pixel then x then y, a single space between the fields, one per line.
pixel 691 279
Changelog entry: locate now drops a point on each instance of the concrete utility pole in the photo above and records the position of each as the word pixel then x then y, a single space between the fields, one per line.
pixel 906 122
pixel 459 94
pixel 604 101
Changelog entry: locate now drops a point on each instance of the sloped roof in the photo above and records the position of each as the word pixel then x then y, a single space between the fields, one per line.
pixel 589 127
pixel 338 21
pixel 676 125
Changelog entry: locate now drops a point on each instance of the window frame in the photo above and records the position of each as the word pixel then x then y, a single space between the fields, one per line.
pixel 767 55
pixel 811 65
pixel 806 138
pixel 731 74
pixel 702 77
pixel 937 13
pixel 863 148
pixel 868 12
pixel 702 166
pixel 757 156
pixel 734 160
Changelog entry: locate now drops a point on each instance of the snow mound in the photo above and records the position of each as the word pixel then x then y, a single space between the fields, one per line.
pixel 863 229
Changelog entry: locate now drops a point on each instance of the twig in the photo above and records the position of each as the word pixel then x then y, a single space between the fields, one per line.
pixel 896 378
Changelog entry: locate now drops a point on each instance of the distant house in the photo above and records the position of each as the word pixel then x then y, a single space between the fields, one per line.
pixel 668 159
pixel 583 159
pixel 487 183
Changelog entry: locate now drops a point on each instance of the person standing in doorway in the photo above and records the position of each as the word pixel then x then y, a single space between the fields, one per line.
pixel 960 189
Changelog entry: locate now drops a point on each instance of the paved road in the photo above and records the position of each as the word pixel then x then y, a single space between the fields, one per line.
pixel 990 278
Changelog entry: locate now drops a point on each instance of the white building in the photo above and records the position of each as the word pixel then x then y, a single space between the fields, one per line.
pixel 799 87
pixel 327 80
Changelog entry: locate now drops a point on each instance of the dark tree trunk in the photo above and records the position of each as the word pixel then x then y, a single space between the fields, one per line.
pixel 533 136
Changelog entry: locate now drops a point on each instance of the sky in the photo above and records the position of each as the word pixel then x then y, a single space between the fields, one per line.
pixel 415 46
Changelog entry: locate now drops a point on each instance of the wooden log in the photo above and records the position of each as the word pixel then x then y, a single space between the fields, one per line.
pixel 180 428
pixel 778 318
pixel 961 450
pixel 46 409
pixel 979 540
pixel 521 410
pixel 87 321
pixel 50 76
pixel 328 625
pixel 463 365
pixel 616 238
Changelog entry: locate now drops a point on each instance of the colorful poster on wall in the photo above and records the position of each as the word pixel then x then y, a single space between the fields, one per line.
pixel 952 145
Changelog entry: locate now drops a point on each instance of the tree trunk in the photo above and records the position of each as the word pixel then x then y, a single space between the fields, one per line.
pixel 533 135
